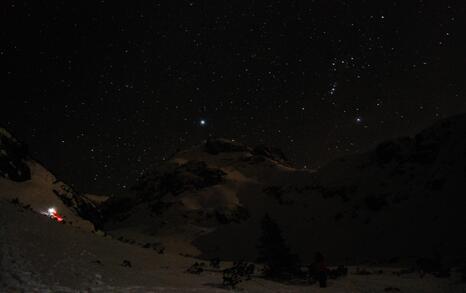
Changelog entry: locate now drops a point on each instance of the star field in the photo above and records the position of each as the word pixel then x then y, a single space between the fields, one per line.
pixel 101 91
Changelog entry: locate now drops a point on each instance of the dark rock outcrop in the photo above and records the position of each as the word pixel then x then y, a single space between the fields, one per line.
pixel 12 156
pixel 220 145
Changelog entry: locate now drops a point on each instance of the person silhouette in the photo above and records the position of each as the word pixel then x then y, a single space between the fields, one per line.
pixel 319 270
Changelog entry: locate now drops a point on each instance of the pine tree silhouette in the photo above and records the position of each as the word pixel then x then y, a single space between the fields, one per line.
pixel 274 253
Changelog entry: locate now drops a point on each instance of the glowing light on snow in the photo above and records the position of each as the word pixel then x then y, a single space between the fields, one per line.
pixel 52 213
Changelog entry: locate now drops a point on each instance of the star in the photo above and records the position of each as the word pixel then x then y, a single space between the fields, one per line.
pixel 203 122
pixel 333 89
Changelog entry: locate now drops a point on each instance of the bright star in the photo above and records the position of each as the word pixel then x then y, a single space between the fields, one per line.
pixel 202 122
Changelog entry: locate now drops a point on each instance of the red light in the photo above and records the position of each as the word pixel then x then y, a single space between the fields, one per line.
pixel 52 213
pixel 56 216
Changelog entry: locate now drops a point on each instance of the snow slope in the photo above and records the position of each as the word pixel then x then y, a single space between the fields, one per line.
pixel 24 180
pixel 40 255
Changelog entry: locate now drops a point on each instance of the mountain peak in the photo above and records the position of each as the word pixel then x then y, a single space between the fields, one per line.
pixel 218 147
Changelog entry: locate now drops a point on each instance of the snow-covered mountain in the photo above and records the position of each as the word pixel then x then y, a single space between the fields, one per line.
pixel 403 199
pixel 209 201
pixel 26 182
pixel 408 193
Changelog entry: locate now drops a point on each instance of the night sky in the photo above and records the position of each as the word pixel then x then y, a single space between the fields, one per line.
pixel 99 91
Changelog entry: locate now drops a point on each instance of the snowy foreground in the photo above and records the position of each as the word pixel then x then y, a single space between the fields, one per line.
pixel 38 255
